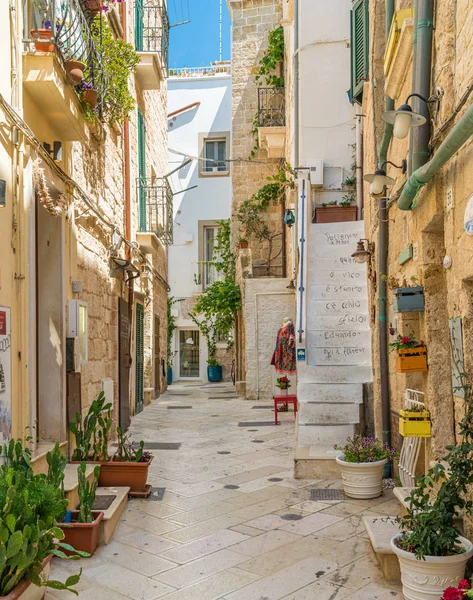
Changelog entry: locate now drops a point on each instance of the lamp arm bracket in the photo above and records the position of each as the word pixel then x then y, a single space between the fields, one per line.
pixel 434 98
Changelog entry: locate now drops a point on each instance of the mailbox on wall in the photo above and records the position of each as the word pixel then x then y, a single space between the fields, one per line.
pixel 78 326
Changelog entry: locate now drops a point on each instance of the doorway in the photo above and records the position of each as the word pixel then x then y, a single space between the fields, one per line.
pixel 189 353
pixel 139 362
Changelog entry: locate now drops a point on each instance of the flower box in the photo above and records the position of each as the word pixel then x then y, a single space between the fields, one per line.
pixel 124 474
pixel 412 360
pixel 82 536
pixel 409 299
pixel 335 214
pixel 415 423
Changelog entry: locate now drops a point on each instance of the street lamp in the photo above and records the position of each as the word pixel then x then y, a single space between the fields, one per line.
pixel 379 180
pixel 289 219
pixel 363 251
pixel 404 117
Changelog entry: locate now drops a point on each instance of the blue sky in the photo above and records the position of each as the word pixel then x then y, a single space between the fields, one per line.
pixel 197 43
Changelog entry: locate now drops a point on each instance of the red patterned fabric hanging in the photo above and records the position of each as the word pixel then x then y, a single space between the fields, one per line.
pixel 284 356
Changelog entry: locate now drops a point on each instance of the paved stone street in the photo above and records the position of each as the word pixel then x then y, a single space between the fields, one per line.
pixel 233 523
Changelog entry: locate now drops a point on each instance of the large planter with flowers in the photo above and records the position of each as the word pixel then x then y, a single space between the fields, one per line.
pixel 411 354
pixel 362 464
pixel 426 579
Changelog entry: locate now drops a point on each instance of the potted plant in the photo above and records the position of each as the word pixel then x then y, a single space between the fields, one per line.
pixel 74 71
pixel 43 38
pixel 414 422
pixel 82 532
pixel 331 212
pixel 214 370
pixel 362 462
pixel 88 94
pixel 128 466
pixel 92 434
pixel 283 384
pixel 411 354
pixel 242 244
pixel 431 551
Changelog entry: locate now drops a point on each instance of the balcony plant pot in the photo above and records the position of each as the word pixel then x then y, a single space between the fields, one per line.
pixel 409 299
pixel 415 424
pixel 74 71
pixel 243 245
pixel 169 377
pixel 362 481
pixel 214 374
pixel 42 40
pixel 90 97
pixel 427 579
pixel 93 6
pixel 335 214
pixel 412 360
pixel 82 536
pixel 124 474
pixel 26 590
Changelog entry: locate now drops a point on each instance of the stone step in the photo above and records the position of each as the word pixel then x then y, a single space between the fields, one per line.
pixel 113 513
pixel 345 322
pixel 381 530
pixel 337 339
pixel 39 463
pixel 401 493
pixel 312 463
pixel 71 483
pixel 331 291
pixel 334 263
pixel 338 393
pixel 324 436
pixel 335 306
pixel 328 414
pixel 316 374
pixel 343 227
pixel 341 357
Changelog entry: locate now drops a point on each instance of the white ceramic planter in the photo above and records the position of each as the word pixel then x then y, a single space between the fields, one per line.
pixel 427 579
pixel 362 480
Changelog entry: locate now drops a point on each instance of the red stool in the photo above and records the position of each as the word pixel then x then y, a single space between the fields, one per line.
pixel 290 399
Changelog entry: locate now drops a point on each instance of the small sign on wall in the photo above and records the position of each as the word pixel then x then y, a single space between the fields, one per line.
pixel 301 354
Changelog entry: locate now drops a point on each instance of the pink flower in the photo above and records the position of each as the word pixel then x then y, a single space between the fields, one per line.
pixel 406 339
pixel 452 593
pixel 464 585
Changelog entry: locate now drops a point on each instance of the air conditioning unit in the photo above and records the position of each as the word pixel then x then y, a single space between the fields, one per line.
pixel 317 172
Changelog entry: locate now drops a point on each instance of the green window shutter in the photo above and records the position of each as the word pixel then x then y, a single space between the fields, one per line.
pixel 142 170
pixel 139 25
pixel 359 48
pixel 139 387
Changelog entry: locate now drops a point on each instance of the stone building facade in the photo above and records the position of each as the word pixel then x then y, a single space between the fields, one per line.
pixel 73 195
pixel 430 244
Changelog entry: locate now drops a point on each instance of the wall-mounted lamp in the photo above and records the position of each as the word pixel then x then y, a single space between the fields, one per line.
pixel 289 218
pixel 379 180
pixel 55 152
pixel 363 251
pixel 404 117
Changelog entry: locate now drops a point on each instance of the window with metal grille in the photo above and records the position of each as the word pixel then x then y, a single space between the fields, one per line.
pixel 215 154
pixel 359 49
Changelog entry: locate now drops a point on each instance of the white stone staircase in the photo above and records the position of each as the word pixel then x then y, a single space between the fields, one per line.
pixel 338 347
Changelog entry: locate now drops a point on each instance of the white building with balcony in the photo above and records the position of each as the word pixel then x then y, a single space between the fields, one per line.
pixel 199 126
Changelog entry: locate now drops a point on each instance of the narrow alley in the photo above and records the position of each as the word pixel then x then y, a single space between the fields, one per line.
pixel 233 523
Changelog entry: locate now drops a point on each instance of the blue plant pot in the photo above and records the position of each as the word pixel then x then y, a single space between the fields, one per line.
pixel 214 374
pixel 169 376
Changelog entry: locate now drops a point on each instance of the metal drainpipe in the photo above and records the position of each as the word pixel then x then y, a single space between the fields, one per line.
pixel 383 268
pixel 296 83
pixel 413 84
pixel 424 30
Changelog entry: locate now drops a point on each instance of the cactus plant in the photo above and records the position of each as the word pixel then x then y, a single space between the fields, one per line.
pixel 90 444
pixel 56 466
pixel 87 492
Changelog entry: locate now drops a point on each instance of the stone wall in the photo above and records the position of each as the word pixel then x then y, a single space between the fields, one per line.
pixel 434 228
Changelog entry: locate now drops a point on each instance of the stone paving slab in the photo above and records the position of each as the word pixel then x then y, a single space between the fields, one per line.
pixel 205 542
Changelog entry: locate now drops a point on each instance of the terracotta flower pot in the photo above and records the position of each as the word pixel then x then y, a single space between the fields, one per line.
pixel 243 245
pixel 93 6
pixel 90 97
pixel 124 474
pixel 42 40
pixel 427 579
pixel 74 71
pixel 26 590
pixel 412 360
pixel 82 536
pixel 335 214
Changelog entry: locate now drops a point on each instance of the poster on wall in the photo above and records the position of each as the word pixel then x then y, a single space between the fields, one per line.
pixel 5 374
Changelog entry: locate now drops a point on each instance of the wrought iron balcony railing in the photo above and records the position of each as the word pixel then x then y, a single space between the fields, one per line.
pixel 152 29
pixel 155 204
pixel 70 26
pixel 271 107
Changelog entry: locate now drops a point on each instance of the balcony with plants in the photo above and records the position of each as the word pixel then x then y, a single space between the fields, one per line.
pixel 156 215
pixel 151 42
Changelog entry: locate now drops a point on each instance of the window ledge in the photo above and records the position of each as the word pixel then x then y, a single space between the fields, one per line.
pixel 273 140
pixel 214 174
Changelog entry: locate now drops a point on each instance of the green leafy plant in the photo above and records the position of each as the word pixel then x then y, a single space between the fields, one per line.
pixel 429 523
pixel 361 449
pixel 120 61
pixel 283 383
pixel 90 443
pixel 17 454
pixel 127 452
pixel 86 490
pixel 56 466
pixel 395 283
pixel 403 342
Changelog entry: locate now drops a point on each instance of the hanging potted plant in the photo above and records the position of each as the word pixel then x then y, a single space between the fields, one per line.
pixel 431 551
pixel 362 462
pixel 74 71
pixel 82 531
pixel 88 94
pixel 411 354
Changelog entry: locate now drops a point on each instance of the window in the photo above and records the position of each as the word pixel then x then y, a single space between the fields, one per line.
pixel 359 49
pixel 215 154
pixel 210 274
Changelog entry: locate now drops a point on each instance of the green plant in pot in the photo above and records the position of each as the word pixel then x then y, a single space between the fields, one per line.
pixel 430 546
pixel 92 433
pixel 82 531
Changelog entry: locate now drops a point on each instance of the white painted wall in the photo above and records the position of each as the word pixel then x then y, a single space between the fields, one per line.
pixel 211 200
